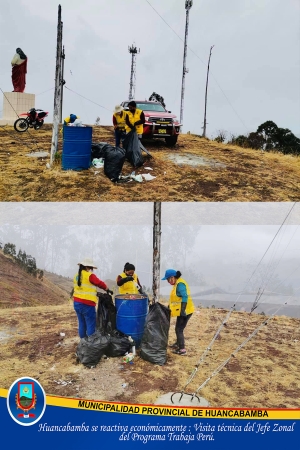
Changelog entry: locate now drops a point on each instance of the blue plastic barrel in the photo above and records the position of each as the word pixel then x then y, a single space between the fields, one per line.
pixel 131 315
pixel 77 148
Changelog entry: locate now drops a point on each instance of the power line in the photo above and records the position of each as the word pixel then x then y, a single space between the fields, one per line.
pixel 88 99
pixel 15 136
pixel 224 322
pixel 222 365
pixel 255 303
pixel 27 131
pixel 45 91
pixel 236 113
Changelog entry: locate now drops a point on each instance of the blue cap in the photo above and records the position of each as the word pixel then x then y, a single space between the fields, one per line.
pixel 169 273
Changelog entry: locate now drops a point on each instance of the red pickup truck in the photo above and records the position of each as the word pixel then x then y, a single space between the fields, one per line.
pixel 159 123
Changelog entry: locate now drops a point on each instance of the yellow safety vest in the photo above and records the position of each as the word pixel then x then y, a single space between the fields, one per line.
pixel 129 287
pixel 121 121
pixel 87 290
pixel 135 118
pixel 175 301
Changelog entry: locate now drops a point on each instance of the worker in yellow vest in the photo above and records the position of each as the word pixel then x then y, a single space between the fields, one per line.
pixel 85 297
pixel 135 119
pixel 119 122
pixel 128 281
pixel 181 306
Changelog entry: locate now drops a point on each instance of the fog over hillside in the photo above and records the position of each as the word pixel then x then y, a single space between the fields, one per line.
pixel 211 251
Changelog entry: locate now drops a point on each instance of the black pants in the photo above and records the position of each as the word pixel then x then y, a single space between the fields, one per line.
pixel 181 323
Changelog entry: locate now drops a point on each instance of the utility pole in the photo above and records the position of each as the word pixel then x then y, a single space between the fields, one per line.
pixel 188 5
pixel 156 249
pixel 57 90
pixel 62 82
pixel 204 124
pixel 133 50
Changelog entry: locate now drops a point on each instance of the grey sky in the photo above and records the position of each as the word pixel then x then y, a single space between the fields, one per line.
pixel 209 253
pixel 255 60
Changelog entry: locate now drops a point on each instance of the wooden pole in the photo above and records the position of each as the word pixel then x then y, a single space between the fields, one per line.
pixel 57 91
pixel 62 82
pixel 204 124
pixel 156 249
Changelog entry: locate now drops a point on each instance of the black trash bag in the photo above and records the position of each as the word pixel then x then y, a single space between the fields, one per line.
pixel 106 313
pixel 119 344
pixel 156 332
pixel 98 149
pixel 131 144
pixel 114 158
pixel 90 349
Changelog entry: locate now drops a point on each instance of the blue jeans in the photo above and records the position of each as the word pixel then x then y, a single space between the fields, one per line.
pixel 86 319
pixel 119 136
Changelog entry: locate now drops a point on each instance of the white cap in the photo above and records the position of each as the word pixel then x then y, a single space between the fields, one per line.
pixel 87 262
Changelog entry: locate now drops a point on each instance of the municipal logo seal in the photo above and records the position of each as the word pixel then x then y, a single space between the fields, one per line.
pixel 26 401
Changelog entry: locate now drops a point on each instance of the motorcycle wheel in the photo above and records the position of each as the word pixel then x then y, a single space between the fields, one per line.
pixel 38 125
pixel 21 125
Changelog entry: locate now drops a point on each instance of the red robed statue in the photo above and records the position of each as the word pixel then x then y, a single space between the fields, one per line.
pixel 19 70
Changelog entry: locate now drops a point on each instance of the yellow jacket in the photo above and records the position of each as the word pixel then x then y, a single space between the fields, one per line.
pixel 175 301
pixel 130 286
pixel 87 290
pixel 135 118
pixel 121 120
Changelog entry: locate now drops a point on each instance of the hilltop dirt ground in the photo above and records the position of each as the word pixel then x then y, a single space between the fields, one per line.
pixel 264 374
pixel 234 174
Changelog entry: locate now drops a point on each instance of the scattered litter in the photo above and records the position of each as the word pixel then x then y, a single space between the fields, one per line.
pixel 148 168
pixel 165 173
pixel 147 176
pixel 62 334
pixel 98 163
pixel 124 385
pixel 48 166
pixel 128 358
pixel 76 123
pixel 135 177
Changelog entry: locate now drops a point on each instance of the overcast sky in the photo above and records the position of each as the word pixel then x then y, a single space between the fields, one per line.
pixel 254 66
pixel 208 252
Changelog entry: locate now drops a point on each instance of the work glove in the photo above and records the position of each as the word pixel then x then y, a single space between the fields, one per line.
pixel 183 308
pixel 142 292
pixel 108 291
pixel 129 279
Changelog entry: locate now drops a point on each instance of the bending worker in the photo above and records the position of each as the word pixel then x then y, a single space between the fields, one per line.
pixel 85 297
pixel 70 119
pixel 135 118
pixel 128 281
pixel 119 122
pixel 181 306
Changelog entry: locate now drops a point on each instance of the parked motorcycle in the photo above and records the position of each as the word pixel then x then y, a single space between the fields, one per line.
pixel 34 119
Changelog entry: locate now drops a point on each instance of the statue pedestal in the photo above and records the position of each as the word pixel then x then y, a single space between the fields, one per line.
pixel 15 103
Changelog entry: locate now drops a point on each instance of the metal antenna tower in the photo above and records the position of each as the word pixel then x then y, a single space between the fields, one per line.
pixel 188 5
pixel 133 50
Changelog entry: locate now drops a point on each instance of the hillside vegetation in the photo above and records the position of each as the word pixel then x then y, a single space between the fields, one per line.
pixel 18 288
pixel 234 173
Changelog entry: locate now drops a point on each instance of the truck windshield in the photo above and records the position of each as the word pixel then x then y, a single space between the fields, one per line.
pixel 150 107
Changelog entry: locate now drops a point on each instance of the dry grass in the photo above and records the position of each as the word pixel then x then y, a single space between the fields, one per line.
pixel 249 175
pixel 263 374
